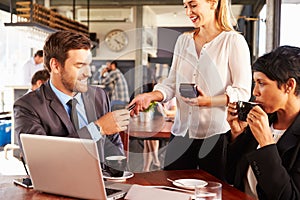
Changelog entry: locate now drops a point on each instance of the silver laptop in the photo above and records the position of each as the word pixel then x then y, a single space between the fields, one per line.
pixel 67 166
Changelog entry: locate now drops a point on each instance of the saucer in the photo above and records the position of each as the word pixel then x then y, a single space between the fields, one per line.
pixel 189 183
pixel 125 176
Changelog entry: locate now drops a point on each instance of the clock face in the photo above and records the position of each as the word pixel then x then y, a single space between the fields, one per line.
pixel 116 40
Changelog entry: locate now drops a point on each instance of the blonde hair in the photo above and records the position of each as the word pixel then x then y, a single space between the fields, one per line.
pixel 224 15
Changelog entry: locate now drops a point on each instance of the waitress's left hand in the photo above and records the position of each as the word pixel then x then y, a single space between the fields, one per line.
pixel 201 100
pixel 259 124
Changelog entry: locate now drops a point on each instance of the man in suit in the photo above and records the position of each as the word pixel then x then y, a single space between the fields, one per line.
pixel 46 111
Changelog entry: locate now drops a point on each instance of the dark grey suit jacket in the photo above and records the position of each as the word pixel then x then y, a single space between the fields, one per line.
pixel 276 166
pixel 41 112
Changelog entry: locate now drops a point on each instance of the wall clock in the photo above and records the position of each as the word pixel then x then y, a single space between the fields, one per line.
pixel 116 40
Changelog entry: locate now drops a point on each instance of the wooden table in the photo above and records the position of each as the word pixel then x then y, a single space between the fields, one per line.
pixel 10 191
pixel 156 129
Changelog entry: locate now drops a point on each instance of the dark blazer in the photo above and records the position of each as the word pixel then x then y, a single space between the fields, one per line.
pixel 276 167
pixel 41 112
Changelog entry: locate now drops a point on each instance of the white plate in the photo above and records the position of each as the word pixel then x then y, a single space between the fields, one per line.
pixel 125 176
pixel 189 183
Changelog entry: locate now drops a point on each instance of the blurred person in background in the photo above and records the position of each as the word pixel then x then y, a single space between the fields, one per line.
pixel 33 65
pixel 116 85
pixel 151 147
pixel 39 78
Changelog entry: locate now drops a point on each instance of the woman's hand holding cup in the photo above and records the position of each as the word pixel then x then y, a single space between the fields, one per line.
pixel 237 126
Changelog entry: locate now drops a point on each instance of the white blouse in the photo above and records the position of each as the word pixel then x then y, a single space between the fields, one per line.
pixel 223 63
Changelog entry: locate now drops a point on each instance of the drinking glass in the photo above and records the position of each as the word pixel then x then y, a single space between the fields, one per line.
pixel 212 191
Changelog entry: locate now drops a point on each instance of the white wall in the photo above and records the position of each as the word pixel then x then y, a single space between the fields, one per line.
pixel 149 32
pixel 16 47
pixel 102 28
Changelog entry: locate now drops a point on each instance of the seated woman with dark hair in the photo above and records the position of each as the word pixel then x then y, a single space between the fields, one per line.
pixel 263 153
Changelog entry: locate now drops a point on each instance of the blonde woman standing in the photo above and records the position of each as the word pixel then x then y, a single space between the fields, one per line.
pixel 216 58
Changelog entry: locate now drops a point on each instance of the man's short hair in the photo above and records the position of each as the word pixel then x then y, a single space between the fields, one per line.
pixel 58 45
pixel 114 63
pixel 42 75
pixel 39 53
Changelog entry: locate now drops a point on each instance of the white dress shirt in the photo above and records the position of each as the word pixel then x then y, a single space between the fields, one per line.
pixel 29 69
pixel 223 62
pixel 82 119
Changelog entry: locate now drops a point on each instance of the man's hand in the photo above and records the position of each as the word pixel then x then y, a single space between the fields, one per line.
pixel 104 72
pixel 142 101
pixel 114 122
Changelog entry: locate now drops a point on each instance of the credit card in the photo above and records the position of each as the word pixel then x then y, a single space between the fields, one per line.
pixel 131 107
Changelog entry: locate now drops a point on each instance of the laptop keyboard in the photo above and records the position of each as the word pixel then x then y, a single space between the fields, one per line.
pixel 110 191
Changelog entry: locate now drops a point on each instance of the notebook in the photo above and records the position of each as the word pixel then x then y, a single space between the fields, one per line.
pixel 68 167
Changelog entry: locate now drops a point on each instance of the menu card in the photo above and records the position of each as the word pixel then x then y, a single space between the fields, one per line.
pixel 138 192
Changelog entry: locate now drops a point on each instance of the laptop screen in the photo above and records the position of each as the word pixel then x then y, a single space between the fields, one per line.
pixel 64 166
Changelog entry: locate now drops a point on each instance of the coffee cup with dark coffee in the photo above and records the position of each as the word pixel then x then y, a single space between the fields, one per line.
pixel 116 165
pixel 243 108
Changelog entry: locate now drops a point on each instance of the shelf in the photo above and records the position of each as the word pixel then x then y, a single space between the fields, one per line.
pixel 43 18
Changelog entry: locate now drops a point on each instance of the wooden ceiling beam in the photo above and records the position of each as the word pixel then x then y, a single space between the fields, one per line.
pixel 137 2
